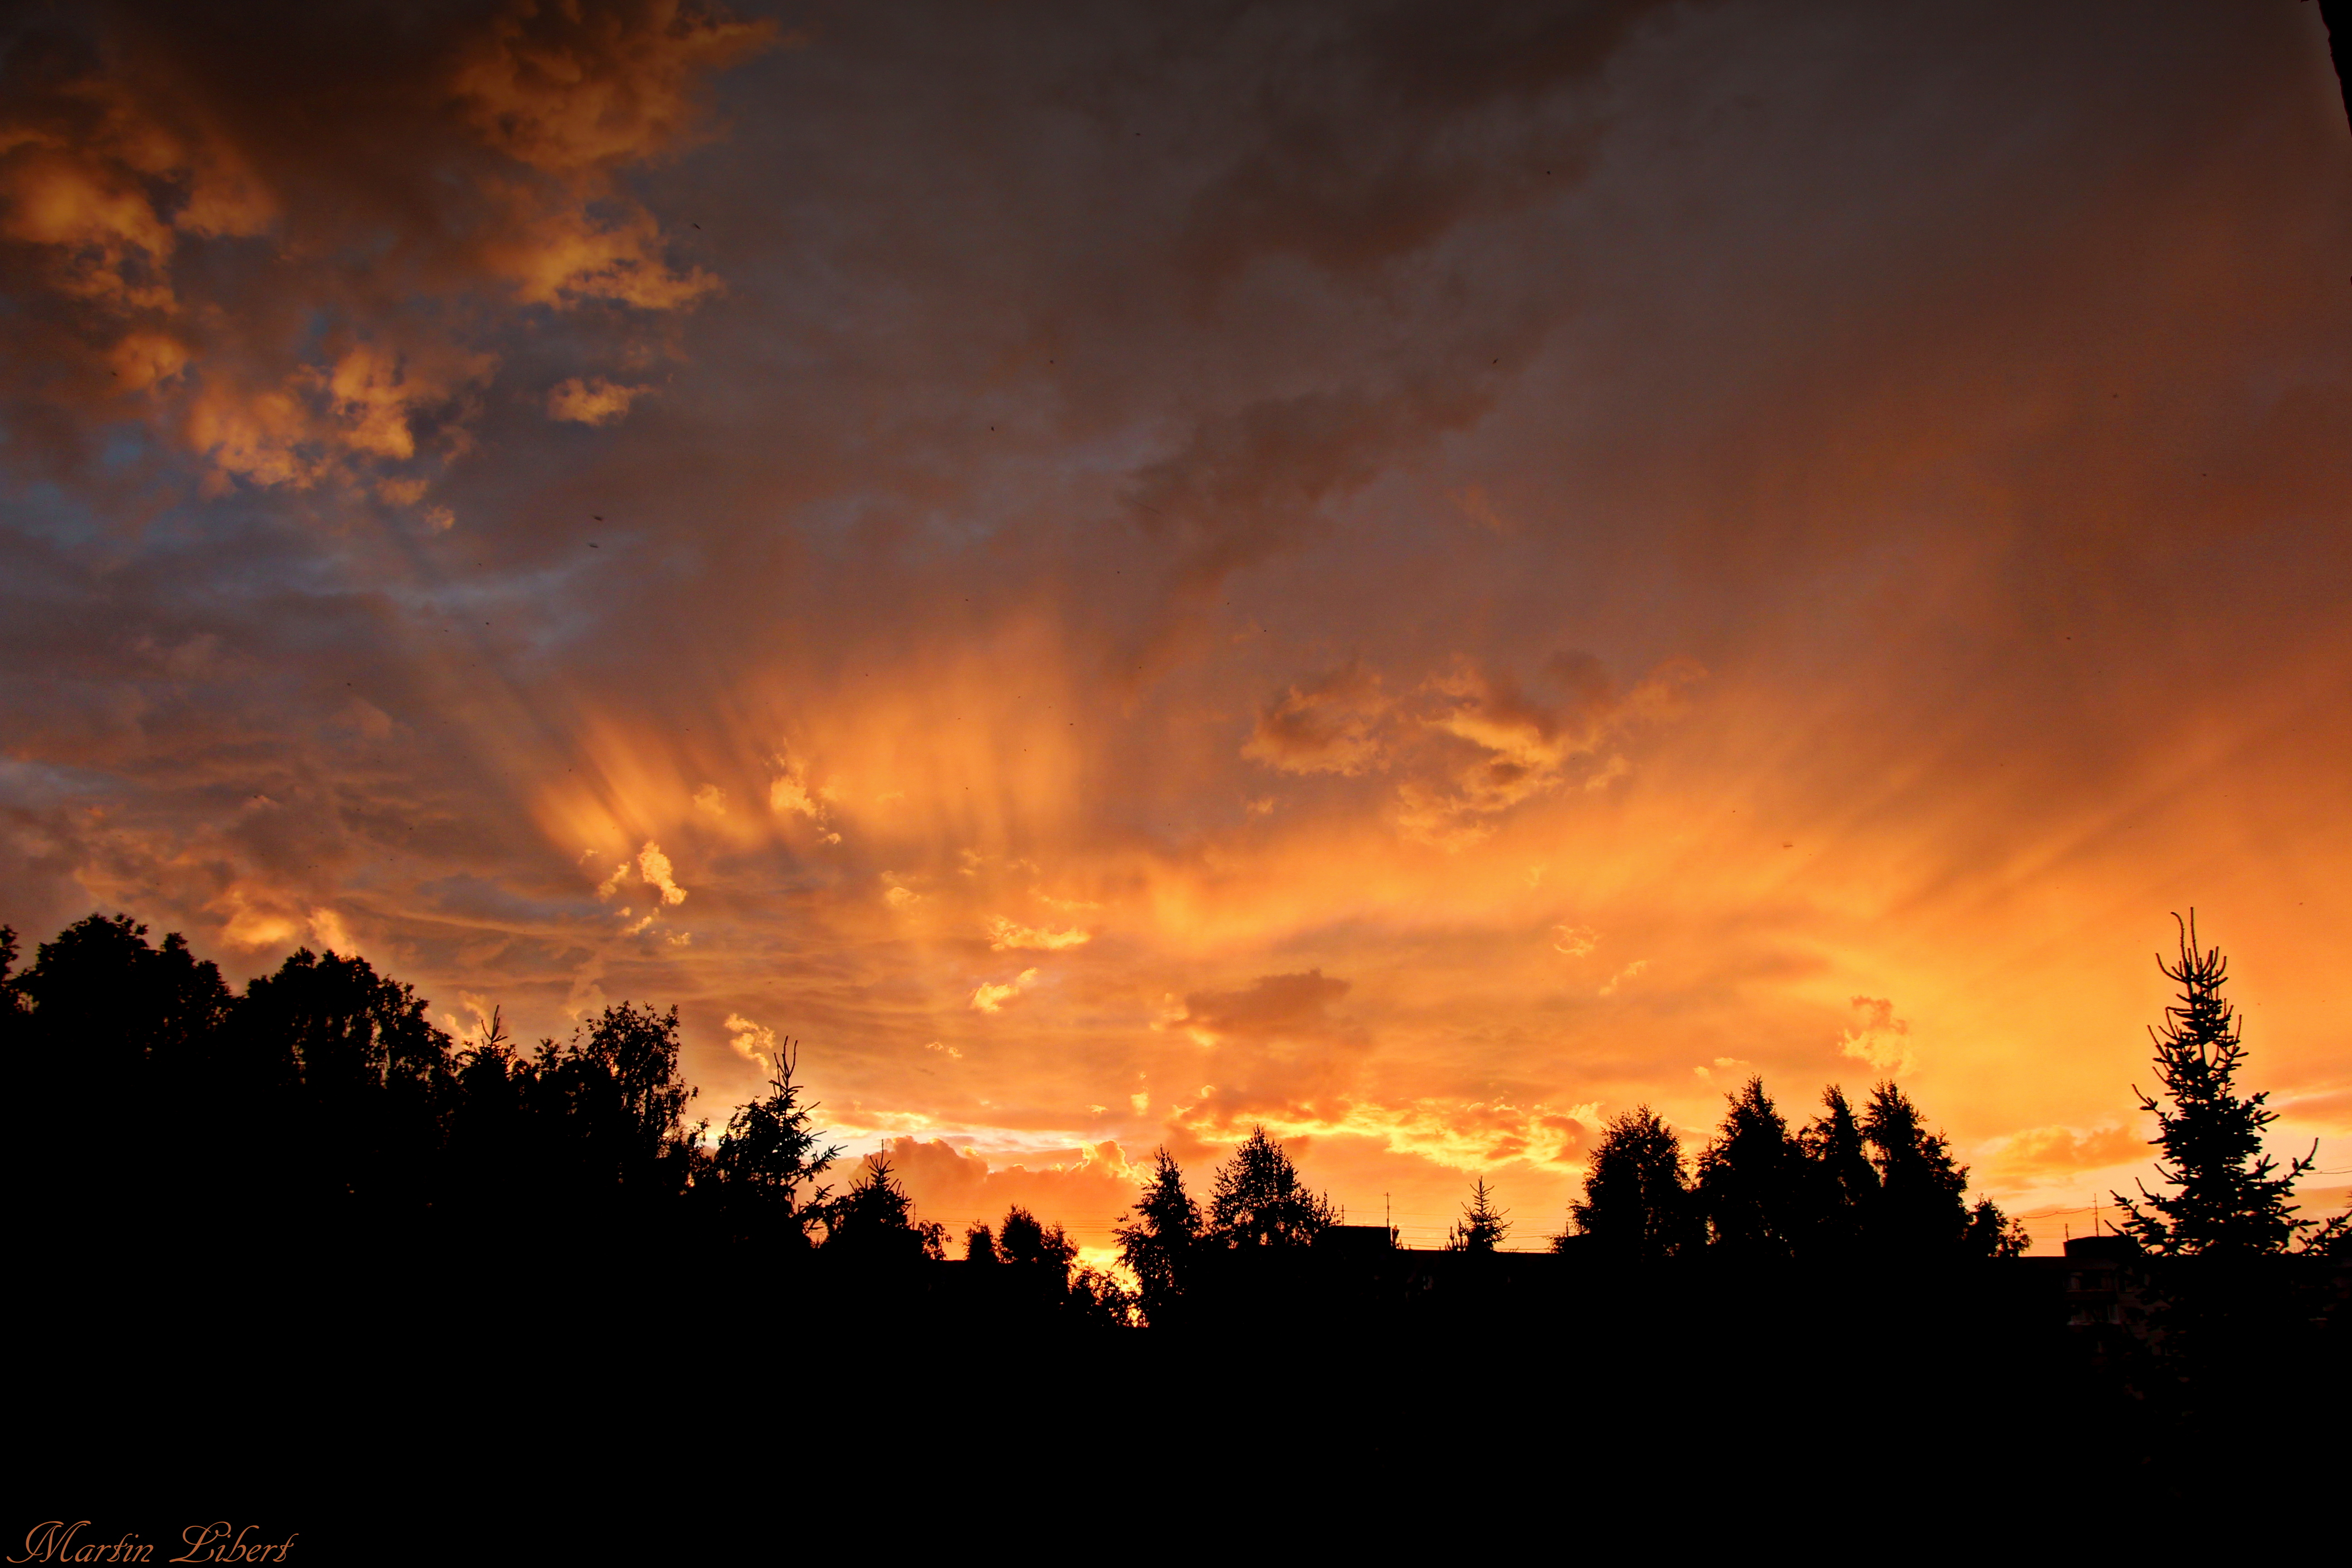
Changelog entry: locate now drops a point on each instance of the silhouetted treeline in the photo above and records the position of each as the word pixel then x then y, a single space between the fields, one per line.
pixel 321 1114
pixel 320 1117
pixel 1845 1185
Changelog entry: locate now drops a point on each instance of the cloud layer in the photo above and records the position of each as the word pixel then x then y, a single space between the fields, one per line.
pixel 1125 573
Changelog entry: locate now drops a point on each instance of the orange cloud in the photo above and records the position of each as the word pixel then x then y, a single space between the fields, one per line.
pixel 132 190
pixel 1471 744
pixel 592 402
pixel 1003 934
pixel 574 89
pixel 2042 1153
pixel 991 997
pixel 1881 1038
pixel 1090 1185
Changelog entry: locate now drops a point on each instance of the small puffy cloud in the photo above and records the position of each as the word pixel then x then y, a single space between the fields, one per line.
pixel 789 794
pixel 1576 942
pixel 751 1040
pixel 1879 1038
pixel 900 898
pixel 991 997
pixel 592 402
pixel 319 422
pixel 710 800
pixel 654 867
pixel 1003 934
pixel 946 1051
pixel 563 254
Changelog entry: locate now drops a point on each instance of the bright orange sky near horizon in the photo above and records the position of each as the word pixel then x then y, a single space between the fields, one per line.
pixel 1413 577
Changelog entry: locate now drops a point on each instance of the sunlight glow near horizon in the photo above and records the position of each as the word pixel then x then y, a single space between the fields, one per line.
pixel 1420 610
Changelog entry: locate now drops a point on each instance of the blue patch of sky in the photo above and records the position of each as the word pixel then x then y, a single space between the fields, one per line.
pixel 45 510
pixel 34 784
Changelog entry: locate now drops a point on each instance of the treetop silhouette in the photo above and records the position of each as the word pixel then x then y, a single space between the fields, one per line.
pixel 1159 1243
pixel 2228 1201
pixel 1482 1227
pixel 874 1222
pixel 1637 1204
pixel 1753 1185
pixel 1258 1199
pixel 769 1152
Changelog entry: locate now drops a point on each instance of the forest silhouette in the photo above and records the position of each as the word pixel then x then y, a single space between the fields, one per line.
pixel 343 1175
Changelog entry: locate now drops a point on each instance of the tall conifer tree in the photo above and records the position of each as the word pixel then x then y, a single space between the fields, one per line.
pixel 2229 1200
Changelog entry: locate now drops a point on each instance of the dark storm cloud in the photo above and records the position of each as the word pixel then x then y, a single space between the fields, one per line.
pixel 289 239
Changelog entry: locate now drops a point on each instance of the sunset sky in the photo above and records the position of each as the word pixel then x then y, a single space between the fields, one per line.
pixel 1414 575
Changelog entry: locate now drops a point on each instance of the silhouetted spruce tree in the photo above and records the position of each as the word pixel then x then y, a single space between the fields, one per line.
pixel 1919 1210
pixel 1754 1184
pixel 2333 1240
pixel 1258 1199
pixel 770 1151
pixel 2229 1202
pixel 874 1222
pixel 979 1244
pixel 1160 1242
pixel 1482 1227
pixel 1637 1205
pixel 1841 1185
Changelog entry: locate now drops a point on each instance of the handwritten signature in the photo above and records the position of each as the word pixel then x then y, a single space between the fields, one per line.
pixel 53 1541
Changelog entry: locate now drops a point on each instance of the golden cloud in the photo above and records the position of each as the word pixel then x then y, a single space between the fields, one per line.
pixel 594 401
pixel 1003 934
pixel 1470 744
pixel 991 997
pixel 2040 1153
pixel 130 191
pixel 1880 1038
